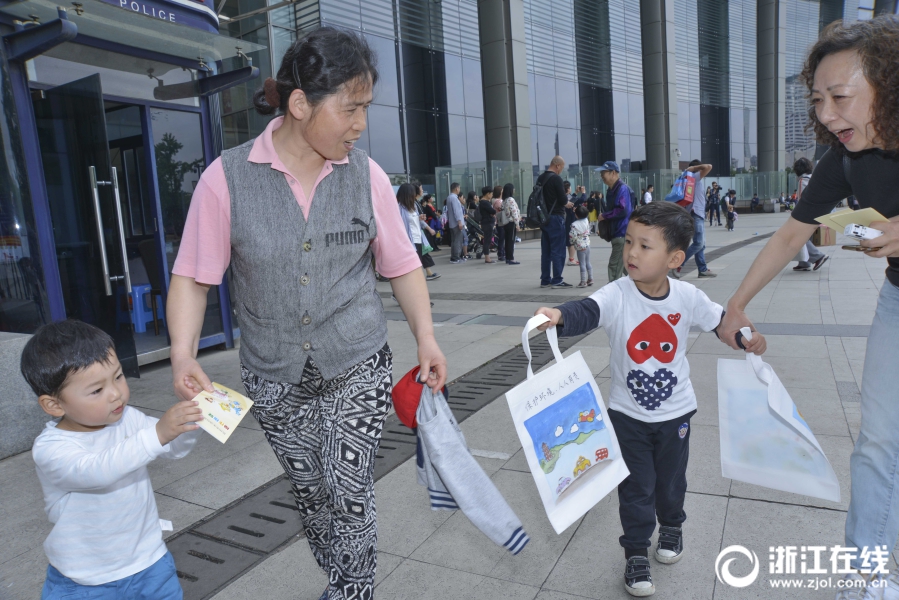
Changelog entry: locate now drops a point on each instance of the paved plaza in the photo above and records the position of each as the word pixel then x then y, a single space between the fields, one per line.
pixel 816 325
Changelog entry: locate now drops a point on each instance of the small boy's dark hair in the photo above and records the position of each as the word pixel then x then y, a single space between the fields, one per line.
pixel 674 221
pixel 59 349
pixel 581 212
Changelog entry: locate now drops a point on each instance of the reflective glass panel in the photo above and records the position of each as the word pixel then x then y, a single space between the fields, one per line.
pixel 546 100
pixel 178 148
pixel 384 138
pixel 474 90
pixel 387 90
pixel 566 99
pixel 455 101
pixel 477 144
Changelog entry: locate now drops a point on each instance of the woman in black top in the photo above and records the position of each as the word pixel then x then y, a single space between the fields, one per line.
pixel 487 216
pixel 850 74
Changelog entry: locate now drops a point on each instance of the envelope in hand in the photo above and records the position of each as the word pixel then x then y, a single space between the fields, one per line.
pixel 839 220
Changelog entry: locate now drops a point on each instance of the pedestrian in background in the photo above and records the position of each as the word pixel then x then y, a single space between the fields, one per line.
pixel 593 211
pixel 487 215
pixel 729 209
pixel 619 211
pixel 714 201
pixel 553 232
pixel 697 248
pixel 647 195
pixel 500 227
pixel 569 219
pixel 512 216
pixel 455 223
pixel 580 239
pixel 405 199
pixel 753 204
pixel 809 253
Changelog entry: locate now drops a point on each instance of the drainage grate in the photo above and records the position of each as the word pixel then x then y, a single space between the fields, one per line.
pixel 222 547
pixel 259 523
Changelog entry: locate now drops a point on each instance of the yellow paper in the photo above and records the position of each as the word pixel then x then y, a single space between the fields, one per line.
pixel 223 409
pixel 839 220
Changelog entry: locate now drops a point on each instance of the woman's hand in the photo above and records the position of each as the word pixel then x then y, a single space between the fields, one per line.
pixel 886 245
pixel 735 319
pixel 431 361
pixel 189 378
pixel 554 315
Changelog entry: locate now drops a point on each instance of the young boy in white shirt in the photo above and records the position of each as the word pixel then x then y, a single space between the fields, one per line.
pixel 648 317
pixel 91 460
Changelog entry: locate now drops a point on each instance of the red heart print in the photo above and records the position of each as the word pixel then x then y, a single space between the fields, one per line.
pixel 673 319
pixel 653 338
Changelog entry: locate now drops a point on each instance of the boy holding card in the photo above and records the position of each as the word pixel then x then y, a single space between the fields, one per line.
pixel 91 460
pixel 648 317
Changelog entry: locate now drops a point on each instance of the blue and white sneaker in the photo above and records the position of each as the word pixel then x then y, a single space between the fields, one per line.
pixel 637 579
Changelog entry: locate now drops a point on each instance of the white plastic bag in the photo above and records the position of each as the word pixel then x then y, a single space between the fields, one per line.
pixel 565 433
pixel 764 439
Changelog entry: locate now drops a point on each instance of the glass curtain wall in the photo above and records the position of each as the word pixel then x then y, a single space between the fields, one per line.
pixel 552 81
pixel 742 54
pixel 627 85
pixel 240 122
pixel 802 31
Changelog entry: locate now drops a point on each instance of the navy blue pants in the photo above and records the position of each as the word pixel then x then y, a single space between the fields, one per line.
pixel 656 455
pixel 552 250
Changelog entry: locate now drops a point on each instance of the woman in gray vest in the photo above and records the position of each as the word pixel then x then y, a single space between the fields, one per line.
pixel 314 355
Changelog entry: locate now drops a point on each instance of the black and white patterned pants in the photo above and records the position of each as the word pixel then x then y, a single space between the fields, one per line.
pixel 325 434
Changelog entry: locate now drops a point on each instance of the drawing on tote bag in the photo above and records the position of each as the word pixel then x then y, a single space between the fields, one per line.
pixel 566 436
pixel 569 437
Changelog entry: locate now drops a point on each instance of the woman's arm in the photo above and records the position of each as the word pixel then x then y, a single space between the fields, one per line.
pixel 411 291
pixel 776 255
pixel 185 311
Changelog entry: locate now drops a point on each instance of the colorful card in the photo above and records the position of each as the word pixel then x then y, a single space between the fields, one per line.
pixel 223 410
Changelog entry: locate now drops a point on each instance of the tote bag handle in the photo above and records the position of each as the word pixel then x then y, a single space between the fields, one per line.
pixel 551 335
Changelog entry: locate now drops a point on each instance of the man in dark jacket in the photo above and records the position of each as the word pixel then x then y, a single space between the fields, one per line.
pixel 552 239
pixel 620 208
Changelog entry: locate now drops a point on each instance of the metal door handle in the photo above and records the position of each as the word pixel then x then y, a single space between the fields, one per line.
pixel 118 209
pixel 103 262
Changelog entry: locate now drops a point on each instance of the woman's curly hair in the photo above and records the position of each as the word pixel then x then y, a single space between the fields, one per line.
pixel 877 44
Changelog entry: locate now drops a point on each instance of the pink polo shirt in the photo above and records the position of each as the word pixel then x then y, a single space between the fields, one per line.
pixel 208 224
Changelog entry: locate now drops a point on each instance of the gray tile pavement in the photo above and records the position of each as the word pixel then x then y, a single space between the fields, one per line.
pixel 425 554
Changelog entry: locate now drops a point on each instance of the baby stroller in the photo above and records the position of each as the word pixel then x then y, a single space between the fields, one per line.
pixel 475 238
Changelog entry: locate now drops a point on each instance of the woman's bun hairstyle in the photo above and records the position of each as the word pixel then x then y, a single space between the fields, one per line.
pixel 319 64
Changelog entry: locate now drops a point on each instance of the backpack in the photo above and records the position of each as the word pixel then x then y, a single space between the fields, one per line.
pixel 682 191
pixel 538 213
pixel 633 198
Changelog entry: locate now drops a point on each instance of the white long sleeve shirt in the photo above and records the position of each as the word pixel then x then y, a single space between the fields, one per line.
pixel 98 495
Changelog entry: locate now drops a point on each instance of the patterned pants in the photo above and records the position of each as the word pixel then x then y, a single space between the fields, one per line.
pixel 325 434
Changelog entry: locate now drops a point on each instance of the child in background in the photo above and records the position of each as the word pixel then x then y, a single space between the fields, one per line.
pixel 91 460
pixel 580 239
pixel 593 214
pixel 729 207
pixel 648 317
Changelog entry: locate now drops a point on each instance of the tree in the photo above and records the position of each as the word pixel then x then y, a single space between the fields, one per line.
pixel 170 174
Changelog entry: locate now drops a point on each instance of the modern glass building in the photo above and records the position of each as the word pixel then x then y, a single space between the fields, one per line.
pixel 584 75
pixel 111 111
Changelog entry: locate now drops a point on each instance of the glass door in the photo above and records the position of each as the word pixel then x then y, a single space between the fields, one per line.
pixel 83 192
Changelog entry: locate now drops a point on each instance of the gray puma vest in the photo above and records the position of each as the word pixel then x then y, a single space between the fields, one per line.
pixel 303 288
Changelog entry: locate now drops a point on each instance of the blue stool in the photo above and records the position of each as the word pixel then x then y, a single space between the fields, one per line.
pixel 141 308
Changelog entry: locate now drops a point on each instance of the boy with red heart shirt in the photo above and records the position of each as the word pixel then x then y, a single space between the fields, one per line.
pixel 648 317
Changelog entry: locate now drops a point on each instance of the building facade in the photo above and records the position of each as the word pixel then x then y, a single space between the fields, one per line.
pixel 585 78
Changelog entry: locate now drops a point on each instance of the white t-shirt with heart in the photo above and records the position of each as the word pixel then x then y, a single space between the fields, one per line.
pixel 650 372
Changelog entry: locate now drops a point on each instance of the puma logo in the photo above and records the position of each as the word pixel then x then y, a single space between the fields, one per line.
pixel 361 223
pixel 355 236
